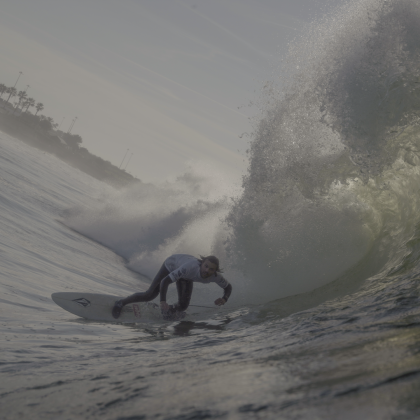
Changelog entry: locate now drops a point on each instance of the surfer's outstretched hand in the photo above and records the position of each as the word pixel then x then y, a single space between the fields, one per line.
pixel 219 302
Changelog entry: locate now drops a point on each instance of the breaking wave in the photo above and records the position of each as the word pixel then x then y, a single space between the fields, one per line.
pixel 332 186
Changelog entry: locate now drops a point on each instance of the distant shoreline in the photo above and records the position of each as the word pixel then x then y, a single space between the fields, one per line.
pixel 27 128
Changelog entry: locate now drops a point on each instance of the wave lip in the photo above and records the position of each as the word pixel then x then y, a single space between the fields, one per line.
pixel 334 160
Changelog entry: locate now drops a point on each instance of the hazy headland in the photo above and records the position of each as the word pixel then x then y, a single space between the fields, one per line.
pixel 41 131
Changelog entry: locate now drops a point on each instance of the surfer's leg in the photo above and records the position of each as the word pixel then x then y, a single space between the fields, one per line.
pixel 151 292
pixel 146 296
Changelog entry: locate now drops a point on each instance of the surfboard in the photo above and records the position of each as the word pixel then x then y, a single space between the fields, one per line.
pixel 98 307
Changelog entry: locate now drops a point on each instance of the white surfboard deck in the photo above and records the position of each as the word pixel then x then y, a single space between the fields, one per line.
pixel 98 307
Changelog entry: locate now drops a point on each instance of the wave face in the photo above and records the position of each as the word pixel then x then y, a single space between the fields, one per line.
pixel 334 162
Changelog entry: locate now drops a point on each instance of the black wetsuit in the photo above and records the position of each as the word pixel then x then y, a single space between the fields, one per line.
pixel 184 275
pixel 184 289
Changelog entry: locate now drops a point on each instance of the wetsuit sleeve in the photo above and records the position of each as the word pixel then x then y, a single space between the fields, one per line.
pixel 228 291
pixel 224 284
pixel 164 287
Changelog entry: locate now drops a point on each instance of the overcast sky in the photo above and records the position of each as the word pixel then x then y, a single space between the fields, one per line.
pixel 170 80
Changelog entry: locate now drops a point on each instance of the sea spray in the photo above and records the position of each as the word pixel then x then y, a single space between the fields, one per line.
pixel 146 223
pixel 332 174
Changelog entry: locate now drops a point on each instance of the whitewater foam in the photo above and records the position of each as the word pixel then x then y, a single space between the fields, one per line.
pixel 332 133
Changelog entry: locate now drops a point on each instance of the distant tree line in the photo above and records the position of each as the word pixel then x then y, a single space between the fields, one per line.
pixel 23 103
pixel 23 100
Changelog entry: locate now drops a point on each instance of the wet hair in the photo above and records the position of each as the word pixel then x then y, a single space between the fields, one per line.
pixel 213 260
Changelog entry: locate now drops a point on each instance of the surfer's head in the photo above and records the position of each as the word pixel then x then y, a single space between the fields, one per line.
pixel 209 265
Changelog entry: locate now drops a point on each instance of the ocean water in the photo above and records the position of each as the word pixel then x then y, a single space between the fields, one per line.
pixel 321 243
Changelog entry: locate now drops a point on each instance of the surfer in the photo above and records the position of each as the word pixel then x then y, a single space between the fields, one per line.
pixel 183 270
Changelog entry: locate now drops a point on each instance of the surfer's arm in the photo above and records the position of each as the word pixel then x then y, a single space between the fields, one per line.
pixel 164 284
pixel 224 299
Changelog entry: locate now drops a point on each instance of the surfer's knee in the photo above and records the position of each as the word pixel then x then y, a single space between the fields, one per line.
pixel 182 306
pixel 116 310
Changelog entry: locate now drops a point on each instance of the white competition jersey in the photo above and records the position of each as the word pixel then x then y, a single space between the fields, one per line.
pixel 183 266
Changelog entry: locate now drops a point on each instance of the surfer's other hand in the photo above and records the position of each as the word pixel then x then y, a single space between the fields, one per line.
pixel 219 302
pixel 164 307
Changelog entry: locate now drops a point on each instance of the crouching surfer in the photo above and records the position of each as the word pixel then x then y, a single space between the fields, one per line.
pixel 183 270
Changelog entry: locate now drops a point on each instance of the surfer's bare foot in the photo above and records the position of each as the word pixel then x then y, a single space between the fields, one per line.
pixel 116 310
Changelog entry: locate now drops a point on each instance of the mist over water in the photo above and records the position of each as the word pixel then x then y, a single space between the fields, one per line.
pixel 147 223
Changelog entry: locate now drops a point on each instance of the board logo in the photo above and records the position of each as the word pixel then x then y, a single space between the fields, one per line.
pixel 82 301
